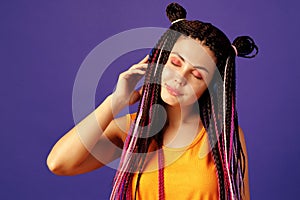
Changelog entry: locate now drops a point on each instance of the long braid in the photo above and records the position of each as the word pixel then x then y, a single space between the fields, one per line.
pixel 139 136
pixel 161 177
pixel 124 176
pixel 205 108
pixel 227 123
pixel 170 40
pixel 238 168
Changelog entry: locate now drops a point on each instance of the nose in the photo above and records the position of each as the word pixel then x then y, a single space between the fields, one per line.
pixel 181 75
pixel 180 80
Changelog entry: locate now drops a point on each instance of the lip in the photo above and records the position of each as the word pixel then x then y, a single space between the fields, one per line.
pixel 173 91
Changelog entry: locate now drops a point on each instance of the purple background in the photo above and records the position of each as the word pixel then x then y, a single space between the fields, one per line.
pixel 43 43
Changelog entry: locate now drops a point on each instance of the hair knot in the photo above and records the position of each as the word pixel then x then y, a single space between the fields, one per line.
pixel 245 46
pixel 175 12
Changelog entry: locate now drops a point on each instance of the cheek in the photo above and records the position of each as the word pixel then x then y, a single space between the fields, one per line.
pixel 167 74
pixel 200 92
pixel 198 89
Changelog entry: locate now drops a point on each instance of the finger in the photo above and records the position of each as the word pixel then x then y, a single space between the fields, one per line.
pixel 139 66
pixel 133 73
pixel 144 59
pixel 138 71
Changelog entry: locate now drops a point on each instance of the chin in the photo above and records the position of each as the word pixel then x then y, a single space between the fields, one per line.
pixel 174 101
pixel 171 101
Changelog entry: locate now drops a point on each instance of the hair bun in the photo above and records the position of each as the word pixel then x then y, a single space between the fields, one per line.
pixel 245 46
pixel 175 12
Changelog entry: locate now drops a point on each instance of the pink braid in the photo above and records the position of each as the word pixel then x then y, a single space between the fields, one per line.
pixel 161 179
pixel 231 128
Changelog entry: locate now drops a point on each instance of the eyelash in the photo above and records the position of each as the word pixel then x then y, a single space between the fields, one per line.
pixel 173 61
pixel 198 77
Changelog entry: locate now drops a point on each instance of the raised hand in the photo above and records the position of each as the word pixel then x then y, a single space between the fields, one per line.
pixel 125 94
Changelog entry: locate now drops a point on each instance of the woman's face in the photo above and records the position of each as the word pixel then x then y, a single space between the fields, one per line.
pixel 187 73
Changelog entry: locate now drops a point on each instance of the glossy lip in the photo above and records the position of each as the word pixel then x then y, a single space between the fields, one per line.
pixel 173 91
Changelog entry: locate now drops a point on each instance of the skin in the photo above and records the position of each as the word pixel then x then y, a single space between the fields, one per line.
pixel 187 73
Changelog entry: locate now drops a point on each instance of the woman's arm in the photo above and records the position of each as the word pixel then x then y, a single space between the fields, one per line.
pixel 246 195
pixel 71 154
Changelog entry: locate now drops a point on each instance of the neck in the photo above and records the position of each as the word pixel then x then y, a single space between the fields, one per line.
pixel 178 115
pixel 182 126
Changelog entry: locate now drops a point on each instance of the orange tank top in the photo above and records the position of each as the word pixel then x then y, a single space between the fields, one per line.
pixel 189 173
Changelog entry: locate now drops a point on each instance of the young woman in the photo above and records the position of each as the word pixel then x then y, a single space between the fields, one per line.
pixel 184 142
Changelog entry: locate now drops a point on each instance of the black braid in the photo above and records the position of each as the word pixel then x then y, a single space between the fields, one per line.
pixel 207 122
pixel 175 11
pixel 170 39
pixel 133 166
pixel 245 46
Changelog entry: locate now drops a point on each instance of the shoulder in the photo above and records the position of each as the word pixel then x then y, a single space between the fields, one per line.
pixel 246 194
pixel 241 133
pixel 242 138
pixel 243 142
pixel 123 125
pixel 117 129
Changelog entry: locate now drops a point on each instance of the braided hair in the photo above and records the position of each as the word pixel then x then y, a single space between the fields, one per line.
pixel 217 107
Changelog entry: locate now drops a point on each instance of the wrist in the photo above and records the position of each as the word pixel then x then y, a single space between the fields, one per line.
pixel 117 103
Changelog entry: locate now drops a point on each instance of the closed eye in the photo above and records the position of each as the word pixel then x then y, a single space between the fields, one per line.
pixel 197 74
pixel 175 62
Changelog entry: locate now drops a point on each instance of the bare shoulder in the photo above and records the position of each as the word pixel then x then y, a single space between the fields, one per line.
pixel 242 135
pixel 242 138
pixel 117 129
pixel 246 194
pixel 243 142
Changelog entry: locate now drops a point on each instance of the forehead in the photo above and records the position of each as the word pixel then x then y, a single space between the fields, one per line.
pixel 193 52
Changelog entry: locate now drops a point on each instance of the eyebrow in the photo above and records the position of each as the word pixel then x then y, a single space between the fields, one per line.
pixel 198 67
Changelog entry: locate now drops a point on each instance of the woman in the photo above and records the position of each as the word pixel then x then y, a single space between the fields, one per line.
pixel 184 142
